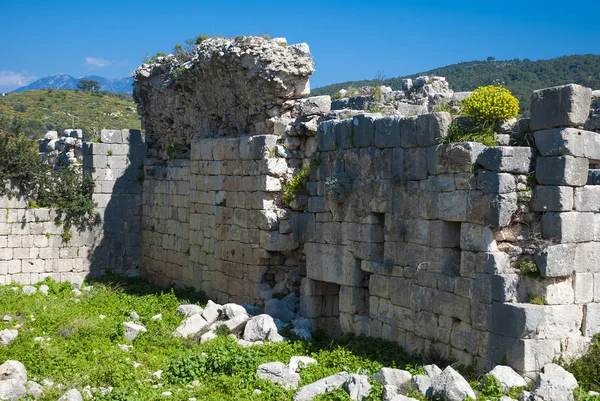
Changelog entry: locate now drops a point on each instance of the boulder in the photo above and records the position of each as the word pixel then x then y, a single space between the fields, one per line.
pixel 12 390
pixel 451 386
pixel 71 395
pixel 132 330
pixel 189 310
pixel 237 324
pixel 278 373
pixel 422 384
pixel 211 313
pixel 432 371
pixel 357 387
pixel 13 370
pixel 209 335
pixel 232 310
pixel 554 384
pixel 322 386
pixel 507 377
pixel 192 326
pixel 29 290
pixel 44 289
pixel 395 377
pixel 261 327
pixel 278 309
pixel 34 389
pixel 8 336
pixel 300 362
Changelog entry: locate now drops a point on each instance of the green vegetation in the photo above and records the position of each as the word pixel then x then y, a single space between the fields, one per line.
pixel 38 111
pixel 490 104
pixel 586 369
pixel 536 300
pixel 457 133
pixel 89 85
pixel 521 77
pixel 529 267
pixel 297 185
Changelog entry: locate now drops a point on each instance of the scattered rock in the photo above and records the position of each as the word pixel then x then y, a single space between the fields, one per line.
pixel 432 371
pixel 157 317
pixel 278 373
pixel 13 370
pixel 422 384
pixel 12 390
pixel 132 330
pixel 189 310
pixel 300 362
pixel 134 316
pixel 192 326
pixel 324 385
pixel 34 389
pixel 209 335
pixel 29 290
pixel 157 374
pixel 124 347
pixel 506 398
pixel 7 318
pixel 357 387
pixel 44 289
pixel 451 386
pixel 166 394
pixel 507 377
pixel 211 313
pixel 261 327
pixel 76 292
pixel 554 384
pixel 278 309
pixel 395 377
pixel 236 325
pixel 232 310
pixel 7 336
pixel 71 395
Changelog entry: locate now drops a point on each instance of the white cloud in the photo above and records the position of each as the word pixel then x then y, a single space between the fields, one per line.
pixel 10 80
pixel 97 62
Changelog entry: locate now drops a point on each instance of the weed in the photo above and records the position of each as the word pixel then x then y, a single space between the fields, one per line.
pixel 485 134
pixel 222 330
pixel 490 387
pixel 48 235
pixel 297 185
pixel 109 153
pixel 586 369
pixel 536 300
pixel 529 268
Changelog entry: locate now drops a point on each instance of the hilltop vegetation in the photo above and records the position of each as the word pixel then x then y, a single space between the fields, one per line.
pixel 521 77
pixel 38 111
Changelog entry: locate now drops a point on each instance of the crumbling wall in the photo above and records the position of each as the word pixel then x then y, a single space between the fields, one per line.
pixel 32 246
pixel 434 245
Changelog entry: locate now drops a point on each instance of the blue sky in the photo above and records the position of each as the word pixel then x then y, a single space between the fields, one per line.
pixel 348 39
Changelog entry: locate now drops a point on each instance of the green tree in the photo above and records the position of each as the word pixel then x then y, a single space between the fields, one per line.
pixel 88 85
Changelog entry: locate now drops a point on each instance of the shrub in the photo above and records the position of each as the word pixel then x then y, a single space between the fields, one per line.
pixel 490 104
pixel 338 187
pixel 586 369
pixel 536 300
pixel 529 268
pixel 484 134
pixel 20 107
pixel 297 184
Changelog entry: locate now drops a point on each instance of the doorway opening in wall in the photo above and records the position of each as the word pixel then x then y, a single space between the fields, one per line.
pixel 594 173
pixel 324 305
pixel 362 297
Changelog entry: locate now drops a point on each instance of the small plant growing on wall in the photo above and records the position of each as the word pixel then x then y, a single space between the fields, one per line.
pixel 297 185
pixel 529 268
pixel 339 186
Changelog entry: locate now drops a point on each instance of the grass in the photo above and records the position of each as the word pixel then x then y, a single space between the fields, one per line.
pixel 484 135
pixel 83 333
pixel 57 110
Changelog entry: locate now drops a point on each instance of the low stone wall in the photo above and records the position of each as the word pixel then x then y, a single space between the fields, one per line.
pixel 31 243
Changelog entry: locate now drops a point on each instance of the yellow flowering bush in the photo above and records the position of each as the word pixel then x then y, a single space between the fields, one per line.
pixel 490 104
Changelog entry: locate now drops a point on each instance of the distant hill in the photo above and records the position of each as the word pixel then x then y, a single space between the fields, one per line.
pixel 65 81
pixel 41 110
pixel 521 77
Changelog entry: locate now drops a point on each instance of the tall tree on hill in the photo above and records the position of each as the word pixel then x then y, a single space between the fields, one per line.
pixel 88 85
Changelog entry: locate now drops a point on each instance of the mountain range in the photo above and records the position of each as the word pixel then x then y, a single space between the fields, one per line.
pixel 65 81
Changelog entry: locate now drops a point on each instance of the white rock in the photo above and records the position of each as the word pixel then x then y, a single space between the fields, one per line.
pixel 357 387
pixel 300 362
pixel 506 398
pixel 189 310
pixel 395 377
pixel 8 336
pixel 451 386
pixel 554 383
pixel 29 290
pixel 35 389
pixel 260 327
pixel 13 370
pixel 101 317
pixel 157 374
pixel 134 316
pixel 7 318
pixel 232 310
pixel 44 289
pixel 157 317
pixel 278 373
pixel 211 313
pixel 237 324
pixel 76 292
pixel 166 393
pixel 124 347
pixel 324 385
pixel 12 390
pixel 422 384
pixel 192 326
pixel 432 371
pixel 132 330
pixel 71 395
pixel 209 335
pixel 507 377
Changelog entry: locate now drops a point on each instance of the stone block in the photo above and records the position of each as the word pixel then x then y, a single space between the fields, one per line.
pixel 400 290
pixel 408 132
pixel 275 241
pixel 568 227
pixel 364 130
pixel 583 286
pixel 453 157
pixel 560 106
pixel 379 286
pixel 111 136
pixel 489 181
pixel 587 199
pixel 561 142
pixel 326 136
pixel 562 170
pixel 332 264
pixel 387 132
pixel 344 134
pixel 452 206
pixel 260 146
pixel 475 237
pixel 415 164
pixel 508 159
pixel 591 324
pixel 548 198
pixel 587 256
pixel 525 355
pixel 556 260
pixel 444 234
pixel 303 227
pixel 535 321
pixel 432 127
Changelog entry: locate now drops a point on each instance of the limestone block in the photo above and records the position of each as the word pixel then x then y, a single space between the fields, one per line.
pixel 453 157
pixel 387 132
pixel 547 198
pixel 431 127
pixel 591 324
pixel 583 286
pixel 587 256
pixel 452 206
pixel 562 170
pixel 525 355
pixel 444 234
pixel 408 132
pixel 303 227
pixel 400 290
pixel 509 159
pixel 111 136
pixel 556 260
pixel 326 136
pixel 415 164
pixel 332 264
pixel 417 231
pixel 344 134
pixel 568 227
pixel 536 321
pixel 260 146
pixel 364 130
pixel 493 182
pixel 561 142
pixel 276 241
pixel 587 199
pixel 560 106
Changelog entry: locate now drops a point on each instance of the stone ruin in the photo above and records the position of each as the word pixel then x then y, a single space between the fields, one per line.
pixel 486 255
pixel 64 151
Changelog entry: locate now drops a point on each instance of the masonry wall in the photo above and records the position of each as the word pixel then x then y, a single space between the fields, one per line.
pixel 32 246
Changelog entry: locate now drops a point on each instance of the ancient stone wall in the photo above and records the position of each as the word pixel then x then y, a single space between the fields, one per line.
pixel 32 245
